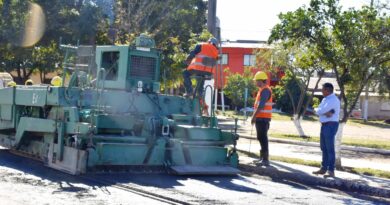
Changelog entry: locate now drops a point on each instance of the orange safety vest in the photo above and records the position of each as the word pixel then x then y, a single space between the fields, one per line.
pixel 266 112
pixel 206 59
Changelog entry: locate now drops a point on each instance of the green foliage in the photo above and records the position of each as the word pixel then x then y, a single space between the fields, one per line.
pixel 300 61
pixel 72 22
pixel 174 24
pixel 45 58
pixel 315 102
pixel 235 87
pixel 354 43
pixel 282 99
pixel 174 57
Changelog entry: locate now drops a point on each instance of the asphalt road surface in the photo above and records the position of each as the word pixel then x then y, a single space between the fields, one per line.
pixel 23 181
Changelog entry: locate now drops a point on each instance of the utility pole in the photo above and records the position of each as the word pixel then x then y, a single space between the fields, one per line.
pixel 213 28
pixel 211 17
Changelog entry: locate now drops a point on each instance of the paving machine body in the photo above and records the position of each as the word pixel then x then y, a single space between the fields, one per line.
pixel 110 115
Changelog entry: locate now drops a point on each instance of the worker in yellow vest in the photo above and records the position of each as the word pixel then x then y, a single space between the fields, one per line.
pixel 201 62
pixel 262 114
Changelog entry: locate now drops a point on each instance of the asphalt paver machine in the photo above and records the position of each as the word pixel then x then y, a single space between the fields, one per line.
pixel 109 115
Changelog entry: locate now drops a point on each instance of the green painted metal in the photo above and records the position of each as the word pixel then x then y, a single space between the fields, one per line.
pixel 197 133
pixel 207 155
pixel 112 116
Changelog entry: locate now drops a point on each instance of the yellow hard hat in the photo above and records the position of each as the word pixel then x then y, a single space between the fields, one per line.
pixel 260 75
pixel 11 84
pixel 29 82
pixel 56 81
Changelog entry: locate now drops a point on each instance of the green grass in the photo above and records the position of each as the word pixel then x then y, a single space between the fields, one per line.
pixel 312 163
pixel 313 118
pixel 232 114
pixel 369 172
pixel 275 116
pixel 373 123
pixel 296 161
pixel 377 144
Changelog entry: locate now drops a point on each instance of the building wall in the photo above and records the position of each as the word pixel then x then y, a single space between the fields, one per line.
pixel 236 62
pixel 378 108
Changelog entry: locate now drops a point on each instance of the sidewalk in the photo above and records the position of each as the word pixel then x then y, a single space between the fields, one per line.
pixel 280 171
pixel 359 131
pixel 312 152
pixel 351 157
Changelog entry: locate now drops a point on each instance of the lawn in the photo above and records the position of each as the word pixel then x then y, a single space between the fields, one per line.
pixel 352 141
pixel 313 118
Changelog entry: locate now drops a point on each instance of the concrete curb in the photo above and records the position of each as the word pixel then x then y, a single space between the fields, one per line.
pixel 302 177
pixel 315 144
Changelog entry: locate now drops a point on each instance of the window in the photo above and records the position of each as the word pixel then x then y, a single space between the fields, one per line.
pixel 224 58
pixel 110 62
pixel 249 60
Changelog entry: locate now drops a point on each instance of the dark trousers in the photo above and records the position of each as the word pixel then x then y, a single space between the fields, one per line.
pixel 262 126
pixel 200 81
pixel 327 138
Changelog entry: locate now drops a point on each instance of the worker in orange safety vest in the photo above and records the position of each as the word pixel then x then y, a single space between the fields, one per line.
pixel 262 114
pixel 201 62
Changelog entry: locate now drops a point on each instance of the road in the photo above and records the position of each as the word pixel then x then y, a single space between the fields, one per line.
pixel 23 181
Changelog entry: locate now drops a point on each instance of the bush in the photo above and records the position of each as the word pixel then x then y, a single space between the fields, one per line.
pixel 235 88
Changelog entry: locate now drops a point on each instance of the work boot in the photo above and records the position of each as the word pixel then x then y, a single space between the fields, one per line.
pixel 265 161
pixel 258 161
pixel 320 171
pixel 329 174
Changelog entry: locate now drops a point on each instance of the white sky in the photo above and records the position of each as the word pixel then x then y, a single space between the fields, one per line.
pixel 254 19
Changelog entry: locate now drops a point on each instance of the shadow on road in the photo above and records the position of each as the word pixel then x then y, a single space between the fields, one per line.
pixel 70 183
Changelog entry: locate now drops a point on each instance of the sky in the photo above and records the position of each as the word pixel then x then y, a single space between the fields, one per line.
pixel 254 19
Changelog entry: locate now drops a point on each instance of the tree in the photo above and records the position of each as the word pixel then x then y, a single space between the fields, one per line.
pixel 174 24
pixel 235 87
pixel 299 62
pixel 12 33
pixel 45 59
pixel 73 21
pixel 353 43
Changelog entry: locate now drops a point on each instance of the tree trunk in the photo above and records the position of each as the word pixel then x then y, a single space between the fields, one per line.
pixel 337 145
pixel 297 122
pixel 42 76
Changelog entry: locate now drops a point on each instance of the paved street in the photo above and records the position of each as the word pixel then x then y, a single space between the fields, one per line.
pixel 47 186
pixel 36 184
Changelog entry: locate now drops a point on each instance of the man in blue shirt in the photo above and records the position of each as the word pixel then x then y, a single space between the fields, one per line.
pixel 328 112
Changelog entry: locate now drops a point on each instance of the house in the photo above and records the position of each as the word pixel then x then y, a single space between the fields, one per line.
pixel 236 55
